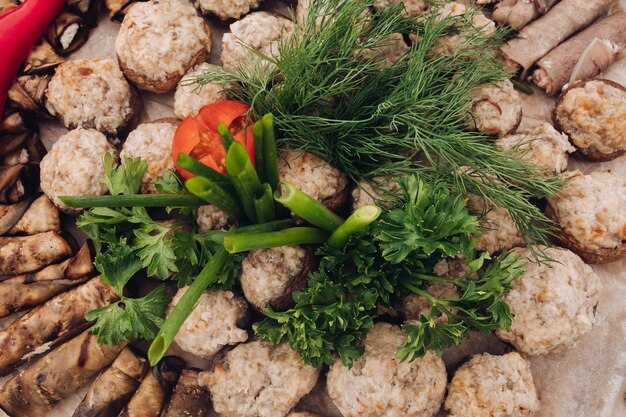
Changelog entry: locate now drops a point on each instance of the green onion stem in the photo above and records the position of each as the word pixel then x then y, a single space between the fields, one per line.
pixel 270 152
pixel 244 178
pixel 264 205
pixel 306 207
pixel 264 227
pixel 241 242
pixel 357 222
pixel 259 148
pixel 225 135
pixel 212 193
pixel 196 167
pixel 185 306
pixel 522 87
pixel 136 200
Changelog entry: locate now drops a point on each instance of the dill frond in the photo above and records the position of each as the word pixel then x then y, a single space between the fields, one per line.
pixel 368 117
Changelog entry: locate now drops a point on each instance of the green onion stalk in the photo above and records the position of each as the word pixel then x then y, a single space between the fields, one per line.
pixel 185 306
pixel 135 200
pixel 196 167
pixel 212 193
pixel 264 205
pixel 259 150
pixel 244 179
pixel 242 242
pixel 306 207
pixel 270 152
pixel 357 222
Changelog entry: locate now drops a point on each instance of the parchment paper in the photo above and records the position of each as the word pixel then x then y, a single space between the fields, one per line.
pixel 588 380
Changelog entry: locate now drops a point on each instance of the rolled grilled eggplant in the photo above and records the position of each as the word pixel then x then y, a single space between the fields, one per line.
pixel 88 9
pixel 16 129
pixel 189 398
pixel 519 13
pixel 541 36
pixel 17 182
pixel 67 32
pixel 38 388
pixel 42 216
pixel 112 389
pixel 55 318
pixel 42 58
pixel 155 389
pixel 29 290
pixel 21 254
pixel 117 8
pixel 28 92
pixel 555 69
pixel 11 214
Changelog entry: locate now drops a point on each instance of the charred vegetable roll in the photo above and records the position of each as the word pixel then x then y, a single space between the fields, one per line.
pixel 56 318
pixel 30 253
pixel 42 58
pixel 109 392
pixel 154 389
pixel 189 398
pixel 41 216
pixel 34 391
pixel 88 9
pixel 17 182
pixel 117 8
pixel 28 92
pixel 29 290
pixel 67 32
pixel 11 214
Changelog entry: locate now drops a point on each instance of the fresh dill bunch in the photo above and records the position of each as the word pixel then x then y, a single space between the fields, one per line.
pixel 334 97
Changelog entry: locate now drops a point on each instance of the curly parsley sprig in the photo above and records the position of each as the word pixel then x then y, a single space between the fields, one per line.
pixel 394 257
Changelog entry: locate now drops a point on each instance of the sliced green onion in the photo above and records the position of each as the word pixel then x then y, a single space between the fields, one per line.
pixel 522 87
pixel 306 207
pixel 264 205
pixel 136 200
pixel 357 222
pixel 212 193
pixel 241 242
pixel 270 152
pixel 225 135
pixel 185 306
pixel 196 167
pixel 244 178
pixel 264 227
pixel 259 148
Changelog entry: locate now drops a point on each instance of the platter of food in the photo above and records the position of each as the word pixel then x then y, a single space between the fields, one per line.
pixel 332 208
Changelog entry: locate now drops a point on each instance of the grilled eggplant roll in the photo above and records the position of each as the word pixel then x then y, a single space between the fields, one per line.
pixel 88 9
pixel 18 182
pixel 56 318
pixel 41 216
pixel 117 8
pixel 154 389
pixel 38 388
pixel 28 290
pixel 42 58
pixel 109 392
pixel 67 32
pixel 189 398
pixel 28 92
pixel 11 214
pixel 21 254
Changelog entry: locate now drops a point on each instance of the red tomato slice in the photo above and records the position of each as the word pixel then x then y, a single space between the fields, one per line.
pixel 197 135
